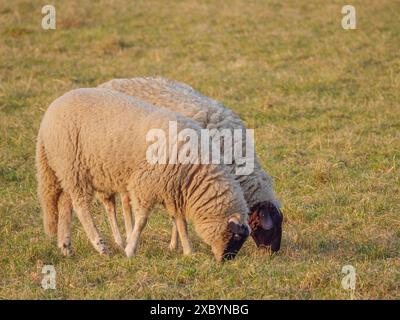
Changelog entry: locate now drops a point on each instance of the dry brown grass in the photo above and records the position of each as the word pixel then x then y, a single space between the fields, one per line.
pixel 325 106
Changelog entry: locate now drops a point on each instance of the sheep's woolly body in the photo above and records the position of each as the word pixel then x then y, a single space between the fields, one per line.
pixel 95 140
pixel 257 187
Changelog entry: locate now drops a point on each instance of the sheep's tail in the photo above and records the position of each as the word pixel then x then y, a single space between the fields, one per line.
pixel 49 190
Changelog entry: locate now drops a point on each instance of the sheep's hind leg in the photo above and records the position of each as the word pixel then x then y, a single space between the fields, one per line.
pixel 109 204
pixel 183 235
pixel 141 216
pixel 64 224
pixel 126 210
pixel 81 207
pixel 173 245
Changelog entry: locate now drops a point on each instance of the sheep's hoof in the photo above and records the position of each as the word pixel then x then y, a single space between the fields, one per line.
pixel 105 251
pixel 187 252
pixel 102 247
pixel 173 246
pixel 129 252
pixel 66 249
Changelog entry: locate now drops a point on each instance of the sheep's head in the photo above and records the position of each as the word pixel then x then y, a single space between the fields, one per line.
pixel 265 221
pixel 235 235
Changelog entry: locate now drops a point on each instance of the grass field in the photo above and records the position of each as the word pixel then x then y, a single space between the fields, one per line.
pixel 324 103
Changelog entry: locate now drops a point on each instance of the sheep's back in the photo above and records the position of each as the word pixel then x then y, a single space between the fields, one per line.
pixel 100 132
pixel 209 113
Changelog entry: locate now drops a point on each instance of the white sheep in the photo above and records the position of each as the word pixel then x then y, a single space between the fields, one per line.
pixel 265 218
pixel 95 140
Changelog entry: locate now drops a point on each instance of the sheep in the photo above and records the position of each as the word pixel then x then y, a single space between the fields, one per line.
pixel 265 216
pixel 94 140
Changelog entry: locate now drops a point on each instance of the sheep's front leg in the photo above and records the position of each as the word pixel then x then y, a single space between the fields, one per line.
pixel 181 225
pixel 141 216
pixel 126 209
pixel 109 204
pixel 64 224
pixel 173 245
pixel 81 208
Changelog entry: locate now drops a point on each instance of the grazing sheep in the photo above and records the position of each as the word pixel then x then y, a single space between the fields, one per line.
pixel 95 140
pixel 265 217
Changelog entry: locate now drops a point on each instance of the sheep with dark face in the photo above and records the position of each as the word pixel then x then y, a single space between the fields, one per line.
pixel 266 225
pixel 94 140
pixel 265 215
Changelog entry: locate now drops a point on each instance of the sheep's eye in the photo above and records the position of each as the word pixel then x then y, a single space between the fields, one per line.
pixel 237 237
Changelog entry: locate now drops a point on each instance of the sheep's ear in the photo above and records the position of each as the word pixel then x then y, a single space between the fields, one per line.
pixel 234 225
pixel 237 228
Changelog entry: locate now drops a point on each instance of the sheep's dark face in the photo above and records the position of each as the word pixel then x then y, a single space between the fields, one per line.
pixel 265 221
pixel 237 235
